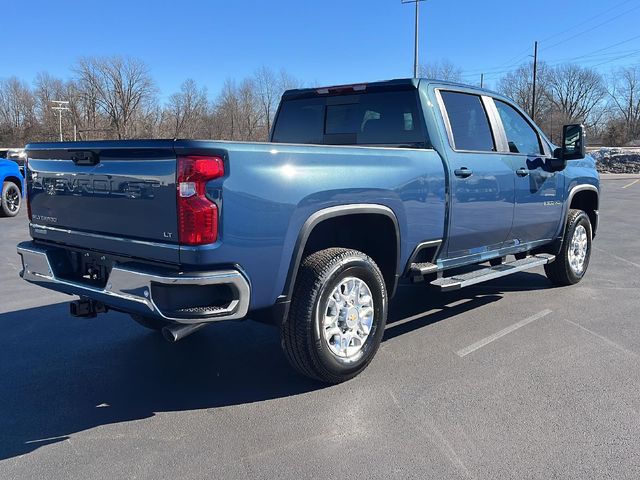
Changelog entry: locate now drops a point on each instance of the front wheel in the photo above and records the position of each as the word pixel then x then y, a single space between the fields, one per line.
pixel 337 316
pixel 10 200
pixel 572 261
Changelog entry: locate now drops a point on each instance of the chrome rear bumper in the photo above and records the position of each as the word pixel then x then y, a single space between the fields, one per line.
pixel 132 290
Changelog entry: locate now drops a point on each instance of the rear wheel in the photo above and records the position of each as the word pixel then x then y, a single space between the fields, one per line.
pixel 572 261
pixel 150 322
pixel 337 316
pixel 11 199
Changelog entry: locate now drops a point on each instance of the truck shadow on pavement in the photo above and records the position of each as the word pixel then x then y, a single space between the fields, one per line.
pixel 60 375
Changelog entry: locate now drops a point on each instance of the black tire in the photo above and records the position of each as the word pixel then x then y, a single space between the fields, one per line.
pixel 150 322
pixel 303 341
pixel 560 272
pixel 11 200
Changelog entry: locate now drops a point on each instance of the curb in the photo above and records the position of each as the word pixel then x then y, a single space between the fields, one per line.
pixel 619 176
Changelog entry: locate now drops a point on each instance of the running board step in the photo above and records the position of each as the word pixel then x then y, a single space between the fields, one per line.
pixel 456 282
pixel 417 269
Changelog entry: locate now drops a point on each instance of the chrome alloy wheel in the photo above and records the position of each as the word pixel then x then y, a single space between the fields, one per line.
pixel 12 198
pixel 348 317
pixel 578 250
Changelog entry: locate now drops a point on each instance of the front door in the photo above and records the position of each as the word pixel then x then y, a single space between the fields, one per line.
pixel 539 190
pixel 482 184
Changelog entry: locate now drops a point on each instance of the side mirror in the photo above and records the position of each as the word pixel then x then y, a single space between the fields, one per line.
pixel 573 142
pixel 573 146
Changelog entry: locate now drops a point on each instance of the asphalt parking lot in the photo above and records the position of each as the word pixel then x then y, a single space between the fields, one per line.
pixel 509 379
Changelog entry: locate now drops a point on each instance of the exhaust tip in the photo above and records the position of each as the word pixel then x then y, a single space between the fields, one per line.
pixel 169 335
pixel 173 333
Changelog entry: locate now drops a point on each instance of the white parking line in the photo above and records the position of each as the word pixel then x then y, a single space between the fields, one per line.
pixel 48 439
pixel 632 183
pixel 491 338
pixel 617 257
pixel 604 339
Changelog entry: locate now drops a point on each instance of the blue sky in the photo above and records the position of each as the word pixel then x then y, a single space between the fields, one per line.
pixel 320 42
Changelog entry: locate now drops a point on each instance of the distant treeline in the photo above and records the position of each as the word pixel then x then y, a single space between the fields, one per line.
pixel 117 98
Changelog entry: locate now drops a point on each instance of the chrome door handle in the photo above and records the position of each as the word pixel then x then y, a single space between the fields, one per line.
pixel 463 172
pixel 522 172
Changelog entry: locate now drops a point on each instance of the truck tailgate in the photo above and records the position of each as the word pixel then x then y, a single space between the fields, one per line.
pixel 104 191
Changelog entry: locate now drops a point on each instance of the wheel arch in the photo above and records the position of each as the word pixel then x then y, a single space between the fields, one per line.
pixel 15 180
pixel 581 196
pixel 584 197
pixel 311 236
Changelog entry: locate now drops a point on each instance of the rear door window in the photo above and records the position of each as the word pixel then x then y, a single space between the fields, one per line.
pixel 381 118
pixel 469 122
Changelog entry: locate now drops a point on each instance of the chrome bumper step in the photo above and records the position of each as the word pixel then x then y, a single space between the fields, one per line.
pixel 419 269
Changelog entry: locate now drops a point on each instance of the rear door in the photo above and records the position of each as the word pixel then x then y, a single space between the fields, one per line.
pixel 482 184
pixel 539 190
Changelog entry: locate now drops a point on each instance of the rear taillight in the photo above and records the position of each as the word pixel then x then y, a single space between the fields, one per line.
pixel 197 215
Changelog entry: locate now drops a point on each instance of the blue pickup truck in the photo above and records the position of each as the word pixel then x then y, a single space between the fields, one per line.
pixel 11 188
pixel 361 187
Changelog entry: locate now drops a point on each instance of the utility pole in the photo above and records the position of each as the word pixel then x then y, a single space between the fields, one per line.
pixel 60 106
pixel 535 74
pixel 415 47
pixel 482 80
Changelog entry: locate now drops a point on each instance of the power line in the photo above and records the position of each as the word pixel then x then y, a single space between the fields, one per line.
pixel 515 60
pixel 585 21
pixel 500 68
pixel 595 55
pixel 607 48
pixel 637 52
pixel 591 28
pixel 587 59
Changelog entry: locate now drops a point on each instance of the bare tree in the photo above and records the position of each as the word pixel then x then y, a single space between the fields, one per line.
pixel 17 112
pixel 576 92
pixel 268 93
pixel 121 87
pixel 251 116
pixel 624 91
pixel 227 111
pixel 47 89
pixel 187 110
pixel 441 70
pixel 518 85
pixel 269 88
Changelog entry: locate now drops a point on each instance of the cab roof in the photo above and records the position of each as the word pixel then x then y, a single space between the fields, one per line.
pixel 378 86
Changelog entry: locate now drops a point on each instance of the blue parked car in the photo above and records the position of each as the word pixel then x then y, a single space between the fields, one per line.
pixel 361 187
pixel 12 185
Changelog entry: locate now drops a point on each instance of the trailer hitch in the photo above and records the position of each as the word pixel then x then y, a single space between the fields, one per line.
pixel 86 308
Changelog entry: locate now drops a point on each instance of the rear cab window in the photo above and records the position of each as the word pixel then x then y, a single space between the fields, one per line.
pixel 470 127
pixel 389 118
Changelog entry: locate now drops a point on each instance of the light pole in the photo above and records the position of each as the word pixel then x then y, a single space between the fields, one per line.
pixel 415 48
pixel 60 106
pixel 535 75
